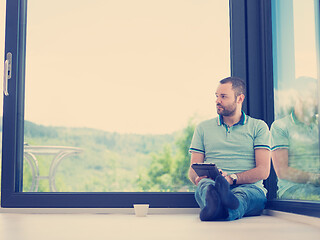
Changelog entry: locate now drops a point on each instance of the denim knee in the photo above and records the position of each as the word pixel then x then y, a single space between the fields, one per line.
pixel 201 190
pixel 252 201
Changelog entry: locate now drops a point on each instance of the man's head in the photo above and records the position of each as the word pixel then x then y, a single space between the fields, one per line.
pixel 238 85
pixel 306 99
pixel 230 96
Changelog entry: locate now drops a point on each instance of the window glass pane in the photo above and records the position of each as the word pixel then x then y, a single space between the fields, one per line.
pixel 295 132
pixel 115 88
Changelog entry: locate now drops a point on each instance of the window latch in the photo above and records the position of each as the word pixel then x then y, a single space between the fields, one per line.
pixel 7 73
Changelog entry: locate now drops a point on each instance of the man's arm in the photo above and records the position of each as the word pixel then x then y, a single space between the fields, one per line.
pixel 195 158
pixel 260 172
pixel 281 166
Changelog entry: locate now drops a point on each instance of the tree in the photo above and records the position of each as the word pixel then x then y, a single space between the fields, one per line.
pixel 182 160
pixel 169 169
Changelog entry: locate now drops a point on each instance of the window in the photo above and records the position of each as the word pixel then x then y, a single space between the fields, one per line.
pixel 295 133
pixel 115 85
pixel 110 92
pixel 251 58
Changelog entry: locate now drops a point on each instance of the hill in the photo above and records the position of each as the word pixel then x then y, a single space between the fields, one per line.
pixel 110 161
pixel 81 137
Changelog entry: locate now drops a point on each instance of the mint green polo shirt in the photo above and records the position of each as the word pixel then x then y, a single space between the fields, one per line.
pixel 302 142
pixel 231 148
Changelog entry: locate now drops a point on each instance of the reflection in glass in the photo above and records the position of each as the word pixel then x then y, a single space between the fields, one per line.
pixel 295 142
pixel 295 132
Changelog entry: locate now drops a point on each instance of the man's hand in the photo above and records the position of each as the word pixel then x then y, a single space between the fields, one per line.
pixel 229 180
pixel 315 179
pixel 225 175
pixel 198 179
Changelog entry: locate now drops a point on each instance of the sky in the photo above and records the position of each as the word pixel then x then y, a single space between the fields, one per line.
pixel 126 66
pixel 133 66
pixel 304 38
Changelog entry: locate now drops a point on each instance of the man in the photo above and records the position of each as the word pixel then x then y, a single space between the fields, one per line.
pixel 239 146
pixel 295 143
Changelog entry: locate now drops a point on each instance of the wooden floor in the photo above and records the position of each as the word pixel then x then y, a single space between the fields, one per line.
pixel 87 226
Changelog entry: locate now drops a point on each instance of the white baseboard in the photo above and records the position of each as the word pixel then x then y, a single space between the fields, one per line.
pixel 98 210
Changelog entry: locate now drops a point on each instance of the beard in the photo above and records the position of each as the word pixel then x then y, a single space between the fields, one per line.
pixel 228 110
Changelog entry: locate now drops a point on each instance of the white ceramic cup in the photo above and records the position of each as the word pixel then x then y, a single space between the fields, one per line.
pixel 141 210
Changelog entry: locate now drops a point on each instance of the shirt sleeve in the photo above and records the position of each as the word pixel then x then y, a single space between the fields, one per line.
pixel 279 135
pixel 263 136
pixel 197 144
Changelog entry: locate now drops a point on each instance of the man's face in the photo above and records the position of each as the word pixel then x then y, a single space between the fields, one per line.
pixel 226 101
pixel 307 106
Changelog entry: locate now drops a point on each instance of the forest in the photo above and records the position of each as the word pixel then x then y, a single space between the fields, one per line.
pixel 112 162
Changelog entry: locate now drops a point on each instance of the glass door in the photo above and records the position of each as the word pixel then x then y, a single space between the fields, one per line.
pixel 113 89
pixel 295 132
pixel 110 95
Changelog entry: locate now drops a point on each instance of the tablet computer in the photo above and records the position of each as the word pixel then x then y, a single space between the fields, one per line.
pixel 206 169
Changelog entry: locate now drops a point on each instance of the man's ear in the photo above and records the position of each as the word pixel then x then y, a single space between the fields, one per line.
pixel 241 98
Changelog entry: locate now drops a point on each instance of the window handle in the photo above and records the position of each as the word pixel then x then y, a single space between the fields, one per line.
pixel 7 73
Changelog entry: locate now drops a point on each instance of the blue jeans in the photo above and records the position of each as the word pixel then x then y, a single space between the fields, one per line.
pixel 302 192
pixel 251 198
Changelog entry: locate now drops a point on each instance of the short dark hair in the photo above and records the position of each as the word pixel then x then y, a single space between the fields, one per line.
pixel 238 85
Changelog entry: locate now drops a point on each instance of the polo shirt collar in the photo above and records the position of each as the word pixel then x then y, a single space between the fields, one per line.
pixel 293 118
pixel 243 119
pixel 296 121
